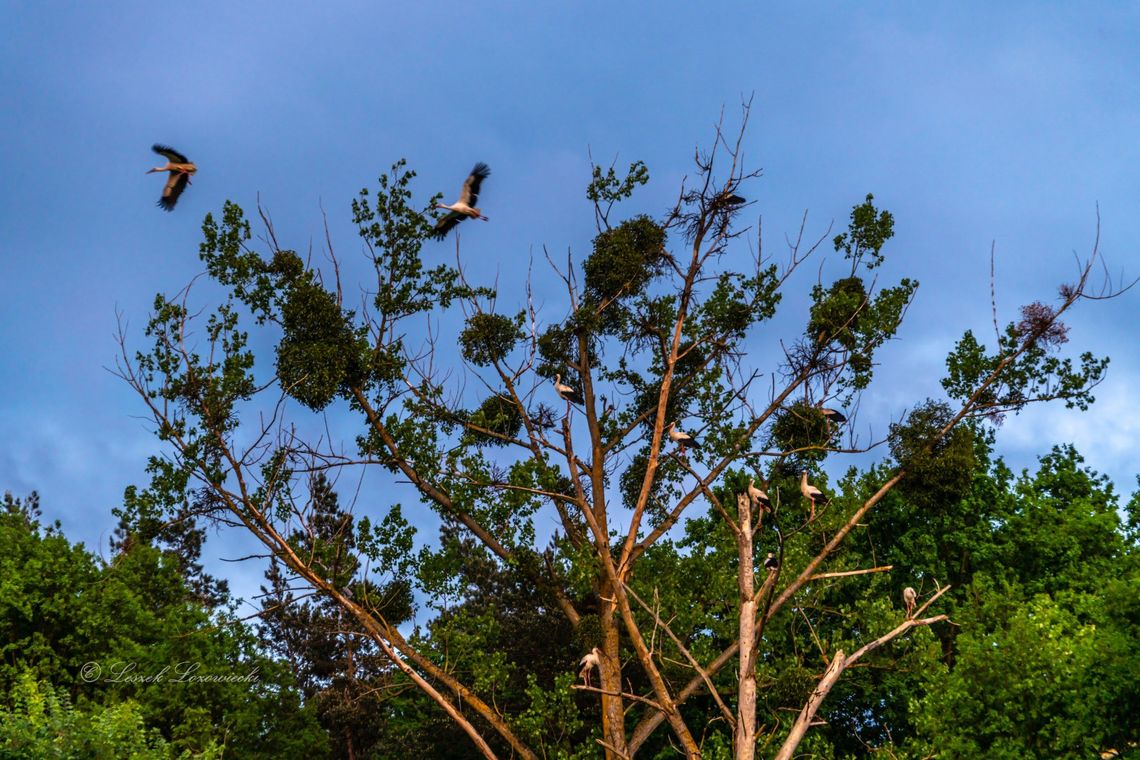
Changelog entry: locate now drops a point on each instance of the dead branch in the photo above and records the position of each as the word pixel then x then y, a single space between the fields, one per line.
pixel 687 655
pixel 839 663
pixel 846 573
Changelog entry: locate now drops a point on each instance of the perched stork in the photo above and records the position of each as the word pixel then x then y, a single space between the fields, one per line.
pixel 729 198
pixel 681 437
pixel 593 659
pixel 180 170
pixel 465 206
pixel 811 493
pixel 756 496
pixel 771 563
pixel 909 599
pixel 833 416
pixel 566 392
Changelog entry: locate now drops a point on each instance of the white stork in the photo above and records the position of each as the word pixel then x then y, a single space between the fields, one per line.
pixel 682 438
pixel 180 169
pixel 566 392
pixel 756 496
pixel 910 598
pixel 593 659
pixel 811 493
pixel 729 198
pixel 465 206
pixel 770 562
pixel 833 416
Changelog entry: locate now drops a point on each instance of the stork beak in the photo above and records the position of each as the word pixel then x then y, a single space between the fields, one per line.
pixel 151 171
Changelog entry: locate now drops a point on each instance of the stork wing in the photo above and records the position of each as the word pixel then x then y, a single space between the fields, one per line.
pixel 446 222
pixel 470 194
pixel 174 187
pixel 171 154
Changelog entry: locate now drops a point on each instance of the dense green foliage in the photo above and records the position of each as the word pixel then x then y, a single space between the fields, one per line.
pixel 123 652
pixel 39 723
pixel 1043 659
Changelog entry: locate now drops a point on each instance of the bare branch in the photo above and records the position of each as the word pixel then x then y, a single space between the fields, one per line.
pixel 839 663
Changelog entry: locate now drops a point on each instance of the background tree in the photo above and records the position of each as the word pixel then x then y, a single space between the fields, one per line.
pixel 107 651
pixel 336 666
pixel 1045 623
pixel 181 538
pixel 657 319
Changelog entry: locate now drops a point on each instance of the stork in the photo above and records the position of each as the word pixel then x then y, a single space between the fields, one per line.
pixel 566 392
pixel 465 206
pixel 811 493
pixel 756 496
pixel 180 169
pixel 681 437
pixel 770 562
pixel 833 416
pixel 729 198
pixel 593 659
pixel 909 599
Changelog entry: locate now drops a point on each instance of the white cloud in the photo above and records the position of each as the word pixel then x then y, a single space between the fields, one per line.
pixel 1107 435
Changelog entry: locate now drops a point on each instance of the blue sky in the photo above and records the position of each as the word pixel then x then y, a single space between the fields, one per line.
pixel 973 123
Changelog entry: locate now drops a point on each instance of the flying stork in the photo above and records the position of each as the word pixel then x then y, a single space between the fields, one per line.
pixel 770 562
pixel 681 437
pixel 756 496
pixel 180 169
pixel 811 493
pixel 593 659
pixel 566 392
pixel 909 599
pixel 465 206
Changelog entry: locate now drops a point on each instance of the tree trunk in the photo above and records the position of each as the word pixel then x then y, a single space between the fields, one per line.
pixel 609 674
pixel 744 740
